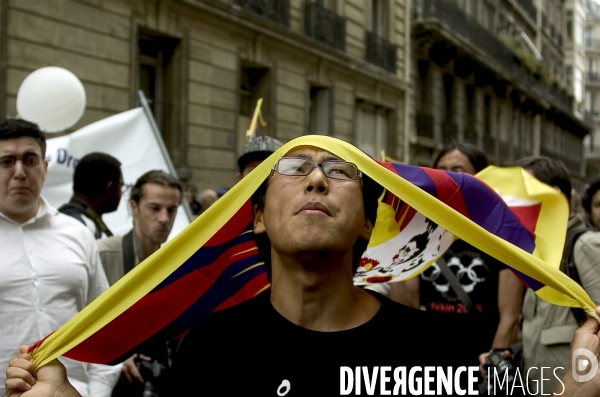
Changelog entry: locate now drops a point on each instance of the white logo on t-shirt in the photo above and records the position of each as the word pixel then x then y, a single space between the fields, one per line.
pixel 284 388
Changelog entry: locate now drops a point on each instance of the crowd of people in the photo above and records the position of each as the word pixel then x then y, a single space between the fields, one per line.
pixel 312 217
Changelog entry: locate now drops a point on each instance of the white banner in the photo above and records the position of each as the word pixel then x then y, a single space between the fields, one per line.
pixel 127 136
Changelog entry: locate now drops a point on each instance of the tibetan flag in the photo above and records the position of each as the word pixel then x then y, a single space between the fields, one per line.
pixel 213 263
pixel 257 123
pixel 405 243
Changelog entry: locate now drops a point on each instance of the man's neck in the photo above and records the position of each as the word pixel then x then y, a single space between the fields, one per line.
pixel 147 246
pixel 320 295
pixel 95 204
pixel 25 216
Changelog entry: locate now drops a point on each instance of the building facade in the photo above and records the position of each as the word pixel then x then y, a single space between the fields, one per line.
pixel 336 67
pixel 493 73
pixel 592 86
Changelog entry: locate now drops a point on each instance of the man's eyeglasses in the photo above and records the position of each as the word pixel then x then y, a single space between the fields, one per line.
pixel 29 160
pixel 333 169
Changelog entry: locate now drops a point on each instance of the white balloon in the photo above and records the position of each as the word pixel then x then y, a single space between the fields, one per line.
pixel 51 97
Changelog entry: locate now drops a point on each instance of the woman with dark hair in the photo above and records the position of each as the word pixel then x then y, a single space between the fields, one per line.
pixel 483 295
pixel 461 157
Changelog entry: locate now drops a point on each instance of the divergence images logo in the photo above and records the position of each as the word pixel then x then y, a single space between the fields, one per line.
pixel 580 364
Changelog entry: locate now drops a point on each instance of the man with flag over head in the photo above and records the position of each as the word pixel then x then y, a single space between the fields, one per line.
pixel 313 332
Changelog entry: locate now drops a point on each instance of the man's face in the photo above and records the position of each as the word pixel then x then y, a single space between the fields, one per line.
pixel 155 213
pixel 456 161
pixel 248 168
pixel 313 213
pixel 595 208
pixel 21 181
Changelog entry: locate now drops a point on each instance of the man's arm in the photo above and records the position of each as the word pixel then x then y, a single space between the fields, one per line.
pixel 49 381
pixel 587 337
pixel 510 299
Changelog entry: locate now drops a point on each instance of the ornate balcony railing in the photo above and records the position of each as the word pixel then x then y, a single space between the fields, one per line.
pixel 449 131
pixel 489 144
pixel 325 25
pixel 529 7
pixel 425 125
pixel 457 21
pixel 380 52
pixel 275 10
pixel 471 136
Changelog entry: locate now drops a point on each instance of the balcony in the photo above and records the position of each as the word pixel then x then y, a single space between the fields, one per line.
pixel 489 144
pixel 425 125
pixel 451 20
pixel 449 132
pixel 325 25
pixel 592 78
pixel 471 136
pixel 529 7
pixel 276 10
pixel 380 52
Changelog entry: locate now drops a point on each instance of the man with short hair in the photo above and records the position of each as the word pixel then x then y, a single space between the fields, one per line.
pixel 50 266
pixel 154 199
pixel 97 186
pixel 548 329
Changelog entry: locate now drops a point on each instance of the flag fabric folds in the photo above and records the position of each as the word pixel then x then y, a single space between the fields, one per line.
pixel 214 262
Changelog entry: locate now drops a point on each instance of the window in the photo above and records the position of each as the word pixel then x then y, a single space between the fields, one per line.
pixel 588 36
pixel 371 128
pixel 377 22
pixel 159 78
pixel 570 25
pixel 318 122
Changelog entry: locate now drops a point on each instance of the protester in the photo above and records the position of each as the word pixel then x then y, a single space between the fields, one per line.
pixel 154 199
pixel 190 196
pixel 207 198
pixel 467 282
pixel 254 152
pixel 548 329
pixel 591 204
pixel 313 219
pixel 576 203
pixel 50 266
pixel 97 185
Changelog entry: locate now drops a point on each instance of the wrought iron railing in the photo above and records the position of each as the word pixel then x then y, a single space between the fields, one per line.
pixel 472 136
pixel 529 7
pixel 425 123
pixel 489 144
pixel 275 10
pixel 380 52
pixel 325 25
pixel 457 20
pixel 449 131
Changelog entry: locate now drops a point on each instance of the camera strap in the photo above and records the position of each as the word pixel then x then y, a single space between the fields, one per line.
pixel 454 283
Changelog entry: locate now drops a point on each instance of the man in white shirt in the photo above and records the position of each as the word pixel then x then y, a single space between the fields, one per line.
pixel 50 265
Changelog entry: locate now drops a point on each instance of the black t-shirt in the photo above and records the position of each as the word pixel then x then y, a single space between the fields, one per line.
pixel 478 274
pixel 251 349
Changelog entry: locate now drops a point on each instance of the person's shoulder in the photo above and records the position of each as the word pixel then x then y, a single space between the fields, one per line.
pixel 110 244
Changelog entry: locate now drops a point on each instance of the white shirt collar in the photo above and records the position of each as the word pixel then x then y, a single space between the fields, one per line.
pixel 44 209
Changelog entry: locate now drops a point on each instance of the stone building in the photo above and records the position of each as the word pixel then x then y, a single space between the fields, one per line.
pixel 492 72
pixel 592 86
pixel 334 67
